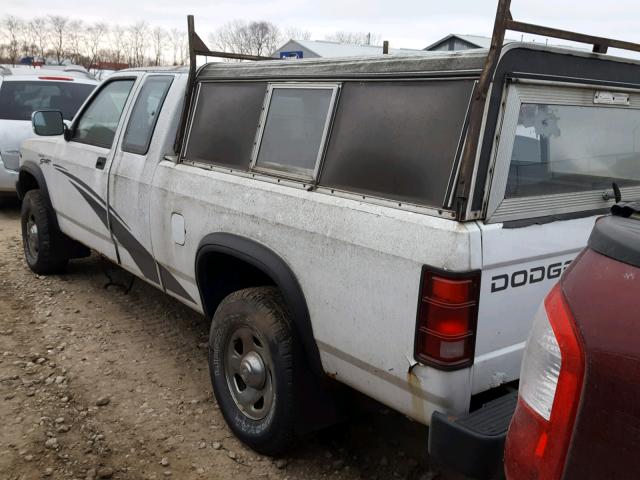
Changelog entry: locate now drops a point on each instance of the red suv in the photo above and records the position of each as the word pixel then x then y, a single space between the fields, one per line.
pixel 578 410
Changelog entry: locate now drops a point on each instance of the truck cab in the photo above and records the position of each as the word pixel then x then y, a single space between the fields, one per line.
pixel 108 148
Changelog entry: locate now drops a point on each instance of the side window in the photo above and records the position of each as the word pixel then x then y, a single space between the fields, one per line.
pixel 396 140
pixel 223 127
pixel 98 123
pixel 144 115
pixel 294 130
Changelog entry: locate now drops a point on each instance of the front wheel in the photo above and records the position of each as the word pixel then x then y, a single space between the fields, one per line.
pixel 251 363
pixel 38 236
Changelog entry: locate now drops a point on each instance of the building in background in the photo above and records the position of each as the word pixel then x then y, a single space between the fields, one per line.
pixel 453 42
pixel 325 49
pixel 459 42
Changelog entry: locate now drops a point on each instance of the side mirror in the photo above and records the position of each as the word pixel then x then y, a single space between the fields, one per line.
pixel 47 123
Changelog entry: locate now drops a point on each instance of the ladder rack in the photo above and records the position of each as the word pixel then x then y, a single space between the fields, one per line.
pixel 197 48
pixel 504 21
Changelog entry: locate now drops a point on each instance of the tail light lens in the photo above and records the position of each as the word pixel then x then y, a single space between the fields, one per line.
pixel 447 315
pixel 550 386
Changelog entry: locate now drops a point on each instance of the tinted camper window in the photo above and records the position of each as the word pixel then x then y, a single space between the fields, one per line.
pixel 396 140
pixel 224 124
pixel 294 130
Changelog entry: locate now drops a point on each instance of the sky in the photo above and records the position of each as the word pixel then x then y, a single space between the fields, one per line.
pixel 405 23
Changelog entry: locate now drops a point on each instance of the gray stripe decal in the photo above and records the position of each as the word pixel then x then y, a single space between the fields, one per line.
pixel 140 255
pixel 64 171
pixel 171 283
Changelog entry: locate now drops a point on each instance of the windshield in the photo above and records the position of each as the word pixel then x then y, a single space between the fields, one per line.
pixel 18 100
pixel 565 149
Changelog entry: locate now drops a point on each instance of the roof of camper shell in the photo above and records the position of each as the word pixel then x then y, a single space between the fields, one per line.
pixel 443 63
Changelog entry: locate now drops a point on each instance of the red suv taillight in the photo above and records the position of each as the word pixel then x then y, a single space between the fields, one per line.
pixel 550 388
pixel 447 316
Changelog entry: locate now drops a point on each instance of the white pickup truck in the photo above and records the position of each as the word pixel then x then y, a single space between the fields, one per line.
pixel 321 213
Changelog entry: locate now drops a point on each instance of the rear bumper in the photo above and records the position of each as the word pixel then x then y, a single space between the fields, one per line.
pixel 8 179
pixel 473 444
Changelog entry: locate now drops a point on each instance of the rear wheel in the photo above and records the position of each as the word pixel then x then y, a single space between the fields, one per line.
pixel 38 236
pixel 251 362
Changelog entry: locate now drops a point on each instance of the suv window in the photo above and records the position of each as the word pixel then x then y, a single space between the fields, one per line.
pixel 566 149
pixel 294 131
pixel 19 99
pixel 144 115
pixel 223 127
pixel 98 123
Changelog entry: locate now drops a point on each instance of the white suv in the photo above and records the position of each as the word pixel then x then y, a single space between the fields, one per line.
pixel 24 90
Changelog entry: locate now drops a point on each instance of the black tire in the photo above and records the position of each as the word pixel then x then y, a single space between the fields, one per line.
pixel 260 313
pixel 42 254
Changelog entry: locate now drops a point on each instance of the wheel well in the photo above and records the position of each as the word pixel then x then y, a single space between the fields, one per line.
pixel 26 182
pixel 220 274
pixel 226 263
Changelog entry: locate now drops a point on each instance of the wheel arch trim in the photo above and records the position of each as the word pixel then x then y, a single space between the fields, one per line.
pixel 272 265
pixel 35 171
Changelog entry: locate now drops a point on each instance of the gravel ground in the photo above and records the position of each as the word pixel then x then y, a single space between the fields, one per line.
pixel 96 383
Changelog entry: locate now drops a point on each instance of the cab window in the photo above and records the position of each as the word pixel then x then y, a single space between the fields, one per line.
pixel 99 121
pixel 144 115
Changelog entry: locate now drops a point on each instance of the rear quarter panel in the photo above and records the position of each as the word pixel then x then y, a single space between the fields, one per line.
pixel 358 264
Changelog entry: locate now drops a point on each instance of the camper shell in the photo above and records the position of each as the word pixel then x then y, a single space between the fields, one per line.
pixel 440 88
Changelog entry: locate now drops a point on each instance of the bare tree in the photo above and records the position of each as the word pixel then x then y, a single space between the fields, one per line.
pixel 75 40
pixel 39 32
pixel 264 38
pixel 158 39
pixel 252 38
pixel 355 38
pixel 94 37
pixel 297 34
pixel 177 42
pixel 231 37
pixel 118 41
pixel 137 44
pixel 58 31
pixel 184 48
pixel 11 26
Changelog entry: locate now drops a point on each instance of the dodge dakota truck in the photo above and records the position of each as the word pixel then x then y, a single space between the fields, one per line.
pixel 391 222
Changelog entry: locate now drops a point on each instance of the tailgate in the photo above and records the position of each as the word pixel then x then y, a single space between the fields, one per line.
pixel 519 267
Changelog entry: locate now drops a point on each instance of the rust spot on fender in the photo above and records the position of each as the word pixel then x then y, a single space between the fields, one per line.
pixel 414 388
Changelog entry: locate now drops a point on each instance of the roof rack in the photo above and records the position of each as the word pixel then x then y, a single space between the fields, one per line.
pixel 503 22
pixel 198 48
pixel 5 70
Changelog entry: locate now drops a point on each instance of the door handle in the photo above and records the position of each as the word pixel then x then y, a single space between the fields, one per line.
pixel 101 162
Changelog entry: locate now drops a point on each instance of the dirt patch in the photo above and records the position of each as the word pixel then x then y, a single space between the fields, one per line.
pixel 96 383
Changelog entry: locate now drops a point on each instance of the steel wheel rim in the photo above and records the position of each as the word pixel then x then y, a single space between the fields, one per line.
pixel 32 236
pixel 249 373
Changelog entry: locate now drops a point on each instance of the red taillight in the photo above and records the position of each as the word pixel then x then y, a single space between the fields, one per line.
pixel 541 428
pixel 64 79
pixel 447 314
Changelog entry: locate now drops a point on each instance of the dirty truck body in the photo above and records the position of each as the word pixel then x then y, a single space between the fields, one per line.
pixel 338 181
